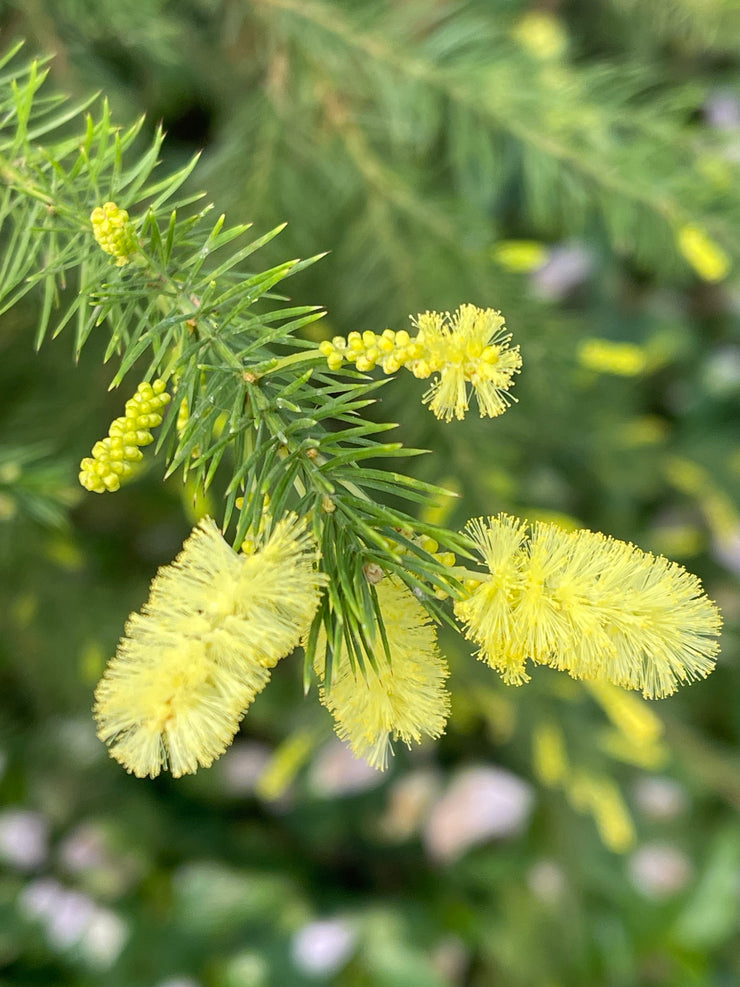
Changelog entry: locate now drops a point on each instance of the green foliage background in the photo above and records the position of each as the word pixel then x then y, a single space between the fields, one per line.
pixel 409 139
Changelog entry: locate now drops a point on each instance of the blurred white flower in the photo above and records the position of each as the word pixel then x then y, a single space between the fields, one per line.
pixel 546 881
pixel 659 870
pixel 72 919
pixel 450 958
pixel 24 838
pixel 659 798
pixel 247 969
pixel 323 947
pixel 721 371
pixel 178 982
pixel 726 550
pixel 479 804
pixel 336 771
pixel 77 738
pixel 409 801
pixel 104 938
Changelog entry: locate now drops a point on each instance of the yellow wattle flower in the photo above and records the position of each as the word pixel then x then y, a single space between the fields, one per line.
pixel 706 256
pixel 605 356
pixel 542 34
pixel 602 799
pixel 519 256
pixel 404 699
pixel 587 604
pixel 202 647
pixel 549 755
pixel 471 346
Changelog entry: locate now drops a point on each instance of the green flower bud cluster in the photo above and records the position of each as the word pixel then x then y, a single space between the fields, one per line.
pixel 389 350
pixel 114 457
pixel 114 232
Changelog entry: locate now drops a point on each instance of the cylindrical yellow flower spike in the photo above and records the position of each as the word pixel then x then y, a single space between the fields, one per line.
pixel 202 647
pixel 114 232
pixel 403 700
pixel 113 458
pixel 470 347
pixel 706 257
pixel 588 604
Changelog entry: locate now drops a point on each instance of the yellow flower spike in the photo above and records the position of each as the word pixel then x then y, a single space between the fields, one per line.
pixel 630 714
pixel 519 256
pixel 549 755
pixel 114 456
pixel 114 232
pixel 404 699
pixel 202 647
pixel 471 346
pixel 706 257
pixel 541 34
pixel 599 796
pixel 604 356
pixel 587 604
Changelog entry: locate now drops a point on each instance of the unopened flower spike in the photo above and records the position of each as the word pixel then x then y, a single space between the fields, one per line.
pixel 587 604
pixel 468 349
pixel 202 647
pixel 405 698
pixel 114 457
pixel 114 232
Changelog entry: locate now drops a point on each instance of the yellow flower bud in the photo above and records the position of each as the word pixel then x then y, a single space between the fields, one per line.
pixel 114 232
pixel 114 456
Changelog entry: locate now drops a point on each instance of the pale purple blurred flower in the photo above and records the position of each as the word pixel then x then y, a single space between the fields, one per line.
pixel 84 849
pixel 40 898
pixel 722 110
pixel 324 946
pixel 24 838
pixel 659 870
pixel 71 918
pixel 726 550
pixel 567 267
pixel 336 771
pixel 242 765
pixel 479 804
